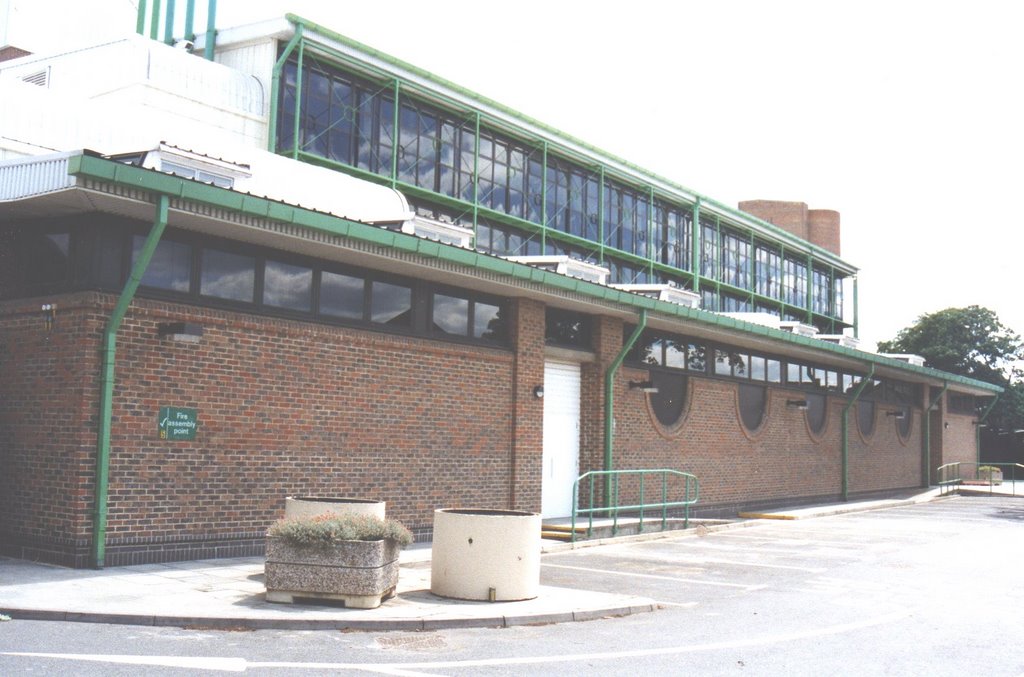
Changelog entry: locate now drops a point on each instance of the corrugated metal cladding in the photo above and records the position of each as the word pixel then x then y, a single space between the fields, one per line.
pixel 257 58
pixel 25 178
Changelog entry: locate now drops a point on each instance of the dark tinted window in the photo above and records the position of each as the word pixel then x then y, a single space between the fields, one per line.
pixel 341 295
pixel 566 328
pixel 171 265
pixel 228 276
pixel 450 315
pixel 288 286
pixel 390 304
pixel 487 322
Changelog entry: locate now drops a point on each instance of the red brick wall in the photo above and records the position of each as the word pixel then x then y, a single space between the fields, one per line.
pixel 524 488
pixel 781 459
pixel 296 408
pixel 958 441
pixel 790 216
pixel 284 408
pixel 823 229
pixel 48 391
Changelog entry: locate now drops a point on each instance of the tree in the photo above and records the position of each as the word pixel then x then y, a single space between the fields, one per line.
pixel 968 341
pixel 971 342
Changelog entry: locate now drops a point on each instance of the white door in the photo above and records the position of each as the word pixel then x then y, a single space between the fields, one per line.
pixel 561 454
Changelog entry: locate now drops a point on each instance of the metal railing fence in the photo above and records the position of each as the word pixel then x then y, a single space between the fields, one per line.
pixel 684 492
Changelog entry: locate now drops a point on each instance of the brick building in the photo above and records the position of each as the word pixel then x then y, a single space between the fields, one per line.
pixel 341 275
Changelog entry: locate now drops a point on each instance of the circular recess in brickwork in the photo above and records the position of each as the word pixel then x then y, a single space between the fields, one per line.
pixel 903 422
pixel 669 403
pixel 817 412
pixel 866 418
pixel 753 401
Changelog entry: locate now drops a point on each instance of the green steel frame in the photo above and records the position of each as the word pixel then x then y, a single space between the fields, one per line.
pixel 652 186
pixel 170 15
pixel 157 183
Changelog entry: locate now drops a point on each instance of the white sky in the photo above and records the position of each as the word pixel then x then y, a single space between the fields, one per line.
pixel 904 116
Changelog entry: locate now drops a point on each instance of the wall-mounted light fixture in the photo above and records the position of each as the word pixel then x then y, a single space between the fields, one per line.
pixel 643 386
pixel 49 315
pixel 797 404
pixel 896 414
pixel 538 391
pixel 184 332
pixel 945 425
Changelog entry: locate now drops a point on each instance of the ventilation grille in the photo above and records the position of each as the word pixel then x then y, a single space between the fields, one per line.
pixel 42 78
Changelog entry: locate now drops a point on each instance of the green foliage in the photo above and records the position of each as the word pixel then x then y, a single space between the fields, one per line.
pixel 332 528
pixel 971 342
pixel 967 341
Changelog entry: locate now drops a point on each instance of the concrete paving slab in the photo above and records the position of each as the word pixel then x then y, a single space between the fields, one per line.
pixel 230 593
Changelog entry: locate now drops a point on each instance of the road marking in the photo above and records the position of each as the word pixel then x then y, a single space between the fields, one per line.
pixel 655 577
pixel 414 669
pixel 194 662
pixel 708 560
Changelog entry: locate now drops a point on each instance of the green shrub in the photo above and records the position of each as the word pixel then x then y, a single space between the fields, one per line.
pixel 988 469
pixel 332 528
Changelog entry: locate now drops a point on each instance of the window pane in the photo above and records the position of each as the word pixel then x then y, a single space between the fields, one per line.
pixel 227 276
pixel 390 304
pixel 739 363
pixel 564 327
pixel 451 315
pixel 487 322
pixel 722 366
pixel 675 354
pixel 695 360
pixel 288 286
pixel 171 265
pixel 757 368
pixel 774 371
pixel 341 295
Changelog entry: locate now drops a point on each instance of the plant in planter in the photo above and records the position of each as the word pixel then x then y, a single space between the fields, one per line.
pixel 345 557
pixel 990 474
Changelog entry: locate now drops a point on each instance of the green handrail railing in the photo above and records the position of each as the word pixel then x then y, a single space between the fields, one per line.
pixel 952 476
pixel 685 486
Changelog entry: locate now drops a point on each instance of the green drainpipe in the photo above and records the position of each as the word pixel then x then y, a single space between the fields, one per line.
pixel 609 406
pixel 977 428
pixel 108 356
pixel 928 434
pixel 846 430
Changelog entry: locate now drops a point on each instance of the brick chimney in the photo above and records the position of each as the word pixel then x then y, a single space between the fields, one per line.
pixel 820 227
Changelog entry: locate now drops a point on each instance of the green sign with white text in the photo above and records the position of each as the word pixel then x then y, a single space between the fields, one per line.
pixel 176 423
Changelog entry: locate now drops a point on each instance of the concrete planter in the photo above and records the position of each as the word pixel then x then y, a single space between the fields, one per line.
pixel 311 506
pixel 486 555
pixel 359 573
pixel 990 475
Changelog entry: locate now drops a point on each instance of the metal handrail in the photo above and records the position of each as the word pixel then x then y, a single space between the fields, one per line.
pixel 690 491
pixel 951 476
